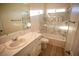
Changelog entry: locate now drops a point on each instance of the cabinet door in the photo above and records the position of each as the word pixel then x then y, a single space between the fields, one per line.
pixel 33 49
pixel 36 50
pixel 24 52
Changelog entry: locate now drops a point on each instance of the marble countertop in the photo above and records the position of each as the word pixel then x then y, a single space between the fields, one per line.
pixel 29 37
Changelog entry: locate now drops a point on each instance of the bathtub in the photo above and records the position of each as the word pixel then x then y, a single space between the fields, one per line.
pixel 56 40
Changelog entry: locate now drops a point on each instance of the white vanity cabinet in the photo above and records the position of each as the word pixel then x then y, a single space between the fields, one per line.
pixel 32 49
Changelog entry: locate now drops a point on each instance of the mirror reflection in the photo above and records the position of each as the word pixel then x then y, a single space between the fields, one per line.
pixel 14 17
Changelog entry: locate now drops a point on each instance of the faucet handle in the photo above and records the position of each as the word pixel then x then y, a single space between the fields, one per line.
pixel 15 39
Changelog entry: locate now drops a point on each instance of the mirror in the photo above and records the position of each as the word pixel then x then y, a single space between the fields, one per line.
pixel 14 17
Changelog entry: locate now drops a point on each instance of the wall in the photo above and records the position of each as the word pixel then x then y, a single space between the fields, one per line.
pixel 75 42
pixel 72 33
pixel 35 20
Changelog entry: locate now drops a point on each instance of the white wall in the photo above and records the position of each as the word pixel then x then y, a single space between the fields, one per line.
pixel 73 32
pixel 75 43
pixel 35 20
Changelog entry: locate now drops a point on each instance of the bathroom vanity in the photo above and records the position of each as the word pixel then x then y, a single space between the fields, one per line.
pixel 32 49
pixel 26 45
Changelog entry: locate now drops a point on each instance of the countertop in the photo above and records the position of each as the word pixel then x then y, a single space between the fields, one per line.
pixel 29 37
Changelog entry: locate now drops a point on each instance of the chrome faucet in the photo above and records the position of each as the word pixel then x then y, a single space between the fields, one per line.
pixel 15 39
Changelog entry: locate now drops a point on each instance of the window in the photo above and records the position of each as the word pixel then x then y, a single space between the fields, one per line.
pixel 50 10
pixel 60 10
pixel 55 10
pixel 35 12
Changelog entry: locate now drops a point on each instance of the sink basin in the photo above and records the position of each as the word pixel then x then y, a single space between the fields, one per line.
pixel 21 41
pixel 16 44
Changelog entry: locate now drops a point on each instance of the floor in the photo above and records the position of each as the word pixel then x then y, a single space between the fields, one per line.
pixel 52 51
